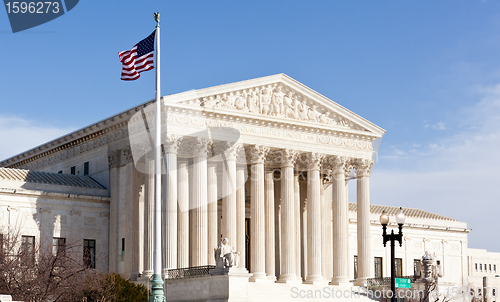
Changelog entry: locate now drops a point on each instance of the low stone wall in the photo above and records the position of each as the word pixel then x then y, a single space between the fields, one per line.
pixel 228 287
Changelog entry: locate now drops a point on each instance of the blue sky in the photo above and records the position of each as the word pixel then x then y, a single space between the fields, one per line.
pixel 426 71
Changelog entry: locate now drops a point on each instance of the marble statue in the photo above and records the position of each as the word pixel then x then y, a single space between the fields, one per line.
pixel 225 255
pixel 429 270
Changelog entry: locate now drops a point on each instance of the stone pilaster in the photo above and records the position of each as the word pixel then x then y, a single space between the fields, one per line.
pixel 169 207
pixel 363 170
pixel 183 215
pixel 114 245
pixel 269 224
pixel 340 223
pixel 288 249
pixel 198 206
pixel 314 188
pixel 257 213
pixel 213 235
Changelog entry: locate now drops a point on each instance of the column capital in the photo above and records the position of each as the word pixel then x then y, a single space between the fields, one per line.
pixel 287 157
pixel 363 167
pixel 171 142
pixel 340 164
pixel 113 159
pixel 231 150
pixel 314 161
pixel 256 154
pixel 200 147
pixel 120 157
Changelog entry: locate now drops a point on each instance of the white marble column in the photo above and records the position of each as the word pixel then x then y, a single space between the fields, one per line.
pixel 340 224
pixel 314 188
pixel 169 207
pixel 297 213
pixel 303 237
pixel 229 194
pixel 277 225
pixel 240 212
pixel 149 216
pixel 257 155
pixel 199 222
pixel 363 170
pixel 326 243
pixel 269 224
pixel 288 249
pixel 183 215
pixel 213 234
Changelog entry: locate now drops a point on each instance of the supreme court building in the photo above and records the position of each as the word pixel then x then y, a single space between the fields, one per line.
pixel 265 163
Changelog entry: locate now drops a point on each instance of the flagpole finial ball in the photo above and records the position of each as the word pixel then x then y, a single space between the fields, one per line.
pixel 157 18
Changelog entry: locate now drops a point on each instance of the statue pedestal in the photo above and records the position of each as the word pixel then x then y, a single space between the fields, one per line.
pixel 231 271
pixel 223 284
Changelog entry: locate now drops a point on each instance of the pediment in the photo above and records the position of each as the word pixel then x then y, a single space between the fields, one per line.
pixel 280 97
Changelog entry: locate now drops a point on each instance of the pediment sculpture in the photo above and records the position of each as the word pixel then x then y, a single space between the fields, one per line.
pixel 225 255
pixel 272 100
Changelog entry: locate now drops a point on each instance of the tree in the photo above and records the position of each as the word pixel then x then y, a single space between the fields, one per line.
pixel 113 287
pixel 54 272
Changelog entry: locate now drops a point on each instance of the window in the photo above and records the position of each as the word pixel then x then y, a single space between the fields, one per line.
pixel 89 253
pixel 476 267
pixel 416 267
pixel 123 248
pixel 73 170
pixel 378 267
pixel 490 268
pixel 355 267
pixel 28 249
pixel 399 267
pixel 59 247
pixel 60 172
pixel 494 268
pixel 86 168
pixel 480 267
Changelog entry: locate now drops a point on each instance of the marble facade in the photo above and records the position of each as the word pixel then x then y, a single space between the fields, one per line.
pixel 265 163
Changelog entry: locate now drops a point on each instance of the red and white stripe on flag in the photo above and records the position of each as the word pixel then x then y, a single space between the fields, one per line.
pixel 138 59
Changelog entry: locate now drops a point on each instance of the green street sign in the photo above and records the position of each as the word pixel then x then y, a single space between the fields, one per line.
pixel 403 283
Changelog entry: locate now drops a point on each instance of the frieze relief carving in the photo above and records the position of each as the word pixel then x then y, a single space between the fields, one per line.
pixel 275 100
pixel 343 142
pixel 73 151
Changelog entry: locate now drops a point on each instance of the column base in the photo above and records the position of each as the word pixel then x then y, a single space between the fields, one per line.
pixel 316 280
pixel 147 273
pixel 363 282
pixel 289 279
pixel 259 277
pixel 272 278
pixel 339 281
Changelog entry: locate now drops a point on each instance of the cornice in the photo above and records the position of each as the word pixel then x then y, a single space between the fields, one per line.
pixel 54 195
pixel 79 137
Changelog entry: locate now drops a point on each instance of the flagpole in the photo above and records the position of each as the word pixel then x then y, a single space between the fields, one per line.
pixel 157 282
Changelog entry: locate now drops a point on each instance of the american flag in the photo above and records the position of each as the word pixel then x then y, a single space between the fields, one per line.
pixel 138 59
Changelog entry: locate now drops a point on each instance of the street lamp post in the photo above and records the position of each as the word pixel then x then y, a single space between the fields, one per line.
pixel 384 220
